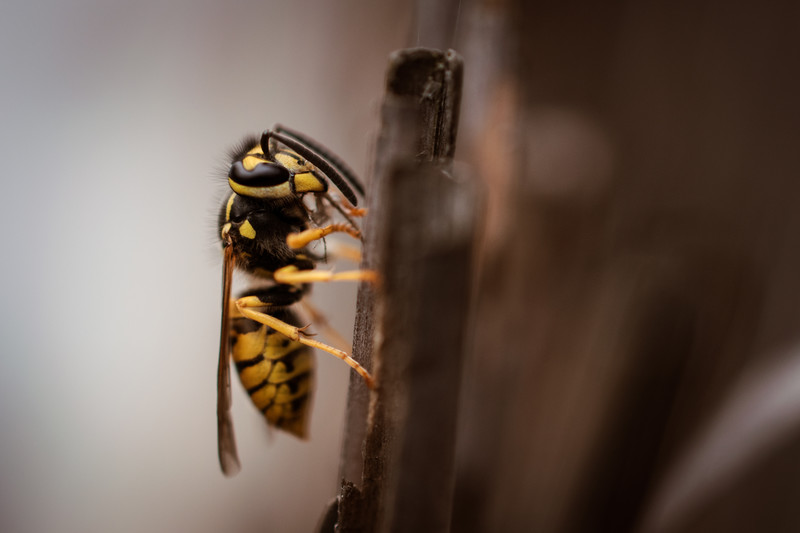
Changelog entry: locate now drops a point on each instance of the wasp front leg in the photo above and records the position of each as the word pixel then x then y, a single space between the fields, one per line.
pixel 247 306
pixel 346 208
pixel 342 250
pixel 290 274
pixel 304 238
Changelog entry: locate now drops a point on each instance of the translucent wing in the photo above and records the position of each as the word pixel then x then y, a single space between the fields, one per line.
pixel 226 442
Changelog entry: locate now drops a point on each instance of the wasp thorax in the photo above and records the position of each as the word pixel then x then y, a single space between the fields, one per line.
pixel 241 215
pixel 257 228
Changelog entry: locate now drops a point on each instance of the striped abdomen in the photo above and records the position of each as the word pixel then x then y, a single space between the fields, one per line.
pixel 275 371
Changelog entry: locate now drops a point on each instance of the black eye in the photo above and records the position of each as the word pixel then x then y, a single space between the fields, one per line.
pixel 263 175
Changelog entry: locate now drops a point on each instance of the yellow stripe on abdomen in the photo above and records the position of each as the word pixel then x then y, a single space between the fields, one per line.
pixel 276 372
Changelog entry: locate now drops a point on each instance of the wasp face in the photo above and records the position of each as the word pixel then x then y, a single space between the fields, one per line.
pixel 266 204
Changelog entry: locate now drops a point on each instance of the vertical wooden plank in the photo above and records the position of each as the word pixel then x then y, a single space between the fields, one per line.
pixel 420 116
pixel 423 318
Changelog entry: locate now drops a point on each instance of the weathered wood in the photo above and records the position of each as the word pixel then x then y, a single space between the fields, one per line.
pixel 420 115
pixel 423 317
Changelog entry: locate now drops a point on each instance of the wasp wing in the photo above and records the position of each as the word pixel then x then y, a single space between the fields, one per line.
pixel 226 442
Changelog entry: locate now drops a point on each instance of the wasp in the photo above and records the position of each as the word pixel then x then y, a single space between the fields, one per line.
pixel 279 204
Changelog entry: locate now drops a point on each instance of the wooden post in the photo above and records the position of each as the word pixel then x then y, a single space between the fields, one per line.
pixel 420 236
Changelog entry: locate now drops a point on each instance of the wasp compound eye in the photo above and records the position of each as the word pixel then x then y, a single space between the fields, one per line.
pixel 264 180
pixel 263 174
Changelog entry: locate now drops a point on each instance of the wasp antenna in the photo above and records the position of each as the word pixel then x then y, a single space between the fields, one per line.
pixel 340 165
pixel 339 173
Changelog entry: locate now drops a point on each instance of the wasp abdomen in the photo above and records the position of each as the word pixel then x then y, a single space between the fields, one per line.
pixel 275 371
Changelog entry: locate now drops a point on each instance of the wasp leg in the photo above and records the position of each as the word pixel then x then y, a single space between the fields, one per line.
pixel 290 274
pixel 341 250
pixel 246 307
pixel 343 205
pixel 348 210
pixel 302 239
pixel 316 317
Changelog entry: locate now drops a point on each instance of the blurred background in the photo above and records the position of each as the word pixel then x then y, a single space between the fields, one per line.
pixel 633 364
pixel 116 120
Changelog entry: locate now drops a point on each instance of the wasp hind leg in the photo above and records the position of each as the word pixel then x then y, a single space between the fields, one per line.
pixel 311 314
pixel 247 306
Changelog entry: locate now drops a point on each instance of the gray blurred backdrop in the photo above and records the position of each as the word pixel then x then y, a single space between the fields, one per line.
pixel 115 117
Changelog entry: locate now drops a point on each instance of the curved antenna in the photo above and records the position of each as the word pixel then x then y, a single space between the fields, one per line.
pixel 317 160
pixel 329 156
pixel 333 167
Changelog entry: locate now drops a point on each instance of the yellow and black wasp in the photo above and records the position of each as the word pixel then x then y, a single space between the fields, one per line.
pixel 266 225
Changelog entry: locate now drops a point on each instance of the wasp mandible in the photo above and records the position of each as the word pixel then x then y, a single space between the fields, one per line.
pixel 266 225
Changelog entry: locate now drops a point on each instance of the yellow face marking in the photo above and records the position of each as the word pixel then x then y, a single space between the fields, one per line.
pixel 228 207
pixel 225 230
pixel 277 191
pixel 292 161
pixel 308 182
pixel 247 230
pixel 253 158
pixel 250 162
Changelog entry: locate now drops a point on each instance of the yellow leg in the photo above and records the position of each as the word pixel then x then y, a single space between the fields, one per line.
pixel 356 211
pixel 347 210
pixel 246 307
pixel 316 317
pixel 299 240
pixel 345 207
pixel 291 274
pixel 341 250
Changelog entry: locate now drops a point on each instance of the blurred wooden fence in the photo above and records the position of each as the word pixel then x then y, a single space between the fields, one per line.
pixel 567 318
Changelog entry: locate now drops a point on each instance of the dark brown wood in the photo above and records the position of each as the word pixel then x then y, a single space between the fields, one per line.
pixel 417 142
pixel 423 319
pixel 644 223
pixel 637 280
